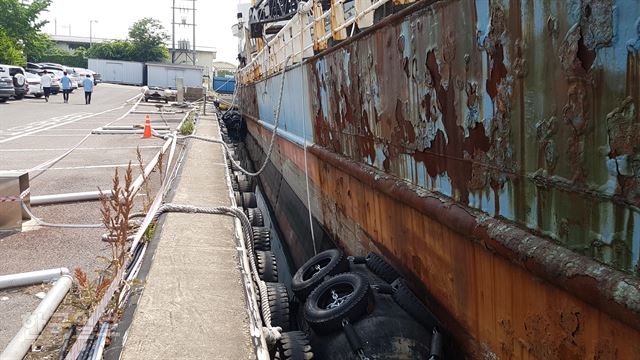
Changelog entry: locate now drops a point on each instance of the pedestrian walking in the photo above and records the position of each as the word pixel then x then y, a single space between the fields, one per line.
pixel 87 84
pixel 66 87
pixel 46 85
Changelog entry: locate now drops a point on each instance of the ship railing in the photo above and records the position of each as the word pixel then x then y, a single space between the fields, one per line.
pixel 309 32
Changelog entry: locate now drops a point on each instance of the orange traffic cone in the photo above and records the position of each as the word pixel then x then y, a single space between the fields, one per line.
pixel 147 128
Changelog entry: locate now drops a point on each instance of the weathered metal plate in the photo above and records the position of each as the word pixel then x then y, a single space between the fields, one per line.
pixel 524 109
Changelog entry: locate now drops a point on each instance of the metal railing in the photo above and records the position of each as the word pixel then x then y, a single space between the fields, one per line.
pixel 307 32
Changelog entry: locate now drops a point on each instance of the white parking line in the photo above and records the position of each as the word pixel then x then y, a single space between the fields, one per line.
pixel 52 135
pixel 86 149
pixel 56 122
pixel 88 167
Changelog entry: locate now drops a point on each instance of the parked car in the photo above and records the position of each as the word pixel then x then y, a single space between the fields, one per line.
pixel 34 68
pixel 6 84
pixel 35 85
pixel 59 74
pixel 97 78
pixel 51 66
pixel 83 74
pixel 20 86
pixel 74 76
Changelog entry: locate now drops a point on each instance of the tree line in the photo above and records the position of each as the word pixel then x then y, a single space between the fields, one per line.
pixel 22 39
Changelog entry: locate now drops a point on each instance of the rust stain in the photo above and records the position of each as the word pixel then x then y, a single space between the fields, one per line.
pixel 538 110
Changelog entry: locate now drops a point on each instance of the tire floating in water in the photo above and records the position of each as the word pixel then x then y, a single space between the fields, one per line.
pixel 342 297
pixel 313 272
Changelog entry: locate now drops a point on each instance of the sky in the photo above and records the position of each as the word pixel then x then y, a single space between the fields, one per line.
pixel 214 19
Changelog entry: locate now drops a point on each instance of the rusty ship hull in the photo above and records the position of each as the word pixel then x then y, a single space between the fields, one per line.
pixel 489 150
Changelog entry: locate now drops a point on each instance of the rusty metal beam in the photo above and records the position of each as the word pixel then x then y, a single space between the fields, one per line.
pixel 609 290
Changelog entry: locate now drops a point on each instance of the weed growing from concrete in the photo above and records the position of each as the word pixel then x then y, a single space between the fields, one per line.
pixel 188 125
pixel 115 216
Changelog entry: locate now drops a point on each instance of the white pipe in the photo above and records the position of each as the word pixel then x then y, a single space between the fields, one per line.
pixel 69 197
pixel 183 120
pixel 153 112
pixel 31 278
pixel 134 127
pixel 97 354
pixel 121 132
pixel 150 166
pixel 34 324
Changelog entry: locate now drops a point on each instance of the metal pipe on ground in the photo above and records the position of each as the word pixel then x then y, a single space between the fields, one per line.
pixel 123 132
pixel 97 353
pixel 140 112
pixel 31 278
pixel 134 127
pixel 151 165
pixel 34 324
pixel 69 197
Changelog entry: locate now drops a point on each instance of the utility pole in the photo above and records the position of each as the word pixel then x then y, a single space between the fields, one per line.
pixel 91 31
pixel 173 33
pixel 186 50
pixel 193 2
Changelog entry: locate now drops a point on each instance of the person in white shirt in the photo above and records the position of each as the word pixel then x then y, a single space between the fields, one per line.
pixel 46 85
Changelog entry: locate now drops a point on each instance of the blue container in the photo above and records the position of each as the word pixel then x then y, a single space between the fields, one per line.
pixel 224 85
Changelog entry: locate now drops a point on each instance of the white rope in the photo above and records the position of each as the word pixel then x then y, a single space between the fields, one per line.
pixel 304 146
pixel 273 136
pixel 71 226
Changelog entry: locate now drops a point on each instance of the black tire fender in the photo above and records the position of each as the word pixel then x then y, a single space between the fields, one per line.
pixel 261 238
pixel 249 200
pixel 246 185
pixel 342 297
pixel 255 217
pixel 293 345
pixel 267 266
pixel 312 273
pixel 279 305
pixel 410 303
pixel 380 267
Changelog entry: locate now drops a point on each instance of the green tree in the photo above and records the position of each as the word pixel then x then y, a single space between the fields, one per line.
pixel 80 51
pixel 22 24
pixel 9 51
pixel 148 37
pixel 112 50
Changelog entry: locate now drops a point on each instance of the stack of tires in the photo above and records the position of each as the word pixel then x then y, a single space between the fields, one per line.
pixel 236 129
pixel 293 344
pixel 355 308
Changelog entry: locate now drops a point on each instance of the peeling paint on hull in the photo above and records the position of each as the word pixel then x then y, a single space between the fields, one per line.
pixel 520 114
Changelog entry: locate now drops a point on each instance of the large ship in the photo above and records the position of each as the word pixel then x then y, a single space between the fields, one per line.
pixel 490 150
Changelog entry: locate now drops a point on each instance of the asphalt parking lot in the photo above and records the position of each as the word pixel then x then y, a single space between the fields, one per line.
pixel 33 132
